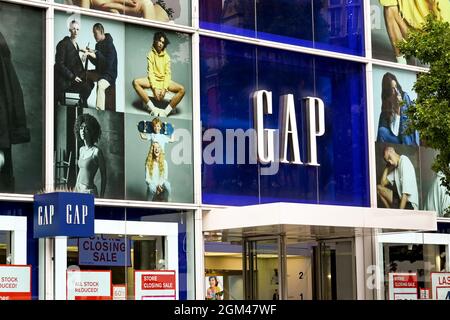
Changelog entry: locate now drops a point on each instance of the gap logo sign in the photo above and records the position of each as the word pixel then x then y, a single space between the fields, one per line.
pixel 67 214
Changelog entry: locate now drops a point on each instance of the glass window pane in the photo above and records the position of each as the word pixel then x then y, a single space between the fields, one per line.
pixel 331 26
pixel 230 74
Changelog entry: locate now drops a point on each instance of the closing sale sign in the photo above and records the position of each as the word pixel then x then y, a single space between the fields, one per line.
pixel 402 286
pixel 155 285
pixel 104 250
pixel 15 282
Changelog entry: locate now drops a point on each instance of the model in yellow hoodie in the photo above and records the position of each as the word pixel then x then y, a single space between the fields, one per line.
pixel 401 15
pixel 159 78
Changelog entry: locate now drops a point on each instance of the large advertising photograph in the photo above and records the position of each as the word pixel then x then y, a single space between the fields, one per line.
pixel 90 152
pixel 405 179
pixel 170 11
pixel 434 194
pixel 123 108
pixel 89 64
pixel 393 19
pixel 158 73
pixel 21 98
pixel 158 159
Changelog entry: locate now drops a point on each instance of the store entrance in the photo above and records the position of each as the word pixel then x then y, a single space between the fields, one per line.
pixel 279 267
pixel 261 268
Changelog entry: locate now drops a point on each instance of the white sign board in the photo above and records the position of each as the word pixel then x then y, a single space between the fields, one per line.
pixel 89 285
pixel 119 292
pixel 440 285
pixel 402 286
pixel 155 285
pixel 15 282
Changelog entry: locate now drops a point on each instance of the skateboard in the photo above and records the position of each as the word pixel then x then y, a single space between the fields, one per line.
pixel 146 127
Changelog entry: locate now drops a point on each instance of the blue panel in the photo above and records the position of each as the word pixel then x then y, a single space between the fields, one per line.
pixel 231 72
pixel 336 26
pixel 63 214
pixel 225 105
pixel 182 261
pixel 103 250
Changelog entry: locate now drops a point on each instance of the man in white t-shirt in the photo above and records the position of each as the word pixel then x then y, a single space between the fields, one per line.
pixel 437 198
pixel 398 176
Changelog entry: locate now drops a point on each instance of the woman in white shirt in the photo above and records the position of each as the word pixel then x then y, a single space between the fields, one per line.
pixel 158 187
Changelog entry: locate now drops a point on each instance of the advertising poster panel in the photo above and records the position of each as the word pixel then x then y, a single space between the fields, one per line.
pixel 89 285
pixel 155 285
pixel 170 11
pixel 214 288
pixel 405 179
pixel 391 20
pixel 15 282
pixel 21 98
pixel 123 110
pixel 402 286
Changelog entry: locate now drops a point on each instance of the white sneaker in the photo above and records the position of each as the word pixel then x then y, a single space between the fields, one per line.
pixel 166 113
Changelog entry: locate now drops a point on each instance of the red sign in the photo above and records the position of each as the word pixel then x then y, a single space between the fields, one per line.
pixel 402 286
pixel 158 281
pixel 405 281
pixel 155 285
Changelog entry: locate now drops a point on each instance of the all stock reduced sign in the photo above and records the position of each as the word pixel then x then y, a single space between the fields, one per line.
pixel 104 250
pixel 63 214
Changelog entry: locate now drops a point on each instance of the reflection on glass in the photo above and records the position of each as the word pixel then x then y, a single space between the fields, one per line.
pixel 422 259
pixel 231 72
pixel 120 254
pixel 328 25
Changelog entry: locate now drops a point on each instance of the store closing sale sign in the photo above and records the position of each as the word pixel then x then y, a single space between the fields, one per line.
pixel 15 282
pixel 103 250
pixel 402 286
pixel 155 285
pixel 89 285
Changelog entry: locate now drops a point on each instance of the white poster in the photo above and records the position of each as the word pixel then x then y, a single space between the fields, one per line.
pixel 119 292
pixel 89 285
pixel 440 285
pixel 15 282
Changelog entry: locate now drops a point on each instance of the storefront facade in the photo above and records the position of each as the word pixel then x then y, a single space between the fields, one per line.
pixel 235 149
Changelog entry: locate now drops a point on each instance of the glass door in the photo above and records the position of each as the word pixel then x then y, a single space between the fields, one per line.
pixel 299 273
pixel 287 269
pixel 334 270
pixel 262 268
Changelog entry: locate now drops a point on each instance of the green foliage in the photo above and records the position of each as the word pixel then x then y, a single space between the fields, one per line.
pixel 430 114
